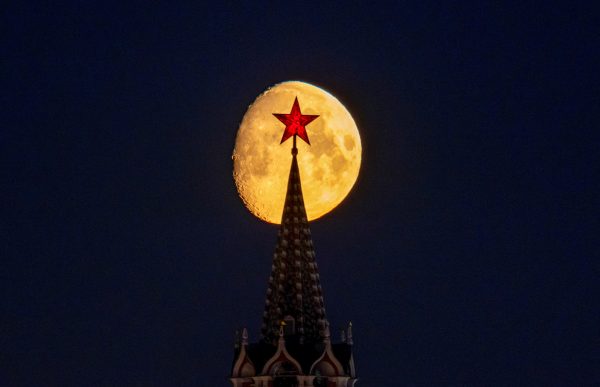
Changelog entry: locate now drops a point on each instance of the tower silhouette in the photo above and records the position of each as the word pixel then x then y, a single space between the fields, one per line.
pixel 296 348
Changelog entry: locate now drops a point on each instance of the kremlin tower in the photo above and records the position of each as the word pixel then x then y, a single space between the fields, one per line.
pixel 295 348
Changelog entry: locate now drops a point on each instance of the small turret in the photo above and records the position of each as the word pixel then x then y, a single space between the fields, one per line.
pixel 349 340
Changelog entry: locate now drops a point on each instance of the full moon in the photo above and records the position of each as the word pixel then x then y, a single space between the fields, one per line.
pixel 328 167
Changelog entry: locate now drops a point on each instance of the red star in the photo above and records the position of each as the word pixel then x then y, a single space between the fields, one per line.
pixel 295 123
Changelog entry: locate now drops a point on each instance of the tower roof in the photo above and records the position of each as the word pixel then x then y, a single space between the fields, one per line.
pixel 294 293
pixel 295 333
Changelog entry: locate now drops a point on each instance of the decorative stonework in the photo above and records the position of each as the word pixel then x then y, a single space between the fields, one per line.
pixel 294 292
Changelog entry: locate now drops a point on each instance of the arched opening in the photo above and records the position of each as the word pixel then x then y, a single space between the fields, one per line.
pixel 284 368
pixel 284 375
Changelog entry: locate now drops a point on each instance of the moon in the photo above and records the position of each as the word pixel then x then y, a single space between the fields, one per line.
pixel 328 167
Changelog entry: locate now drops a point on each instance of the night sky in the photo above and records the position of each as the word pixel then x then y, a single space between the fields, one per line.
pixel 465 255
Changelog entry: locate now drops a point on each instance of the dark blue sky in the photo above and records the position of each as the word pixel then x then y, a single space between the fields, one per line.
pixel 466 255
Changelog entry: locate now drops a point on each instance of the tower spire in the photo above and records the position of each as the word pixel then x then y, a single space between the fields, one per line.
pixel 296 346
pixel 294 294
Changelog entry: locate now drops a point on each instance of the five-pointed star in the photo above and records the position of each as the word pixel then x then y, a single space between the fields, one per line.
pixel 295 123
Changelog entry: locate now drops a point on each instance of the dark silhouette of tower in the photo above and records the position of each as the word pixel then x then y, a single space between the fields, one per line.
pixel 295 348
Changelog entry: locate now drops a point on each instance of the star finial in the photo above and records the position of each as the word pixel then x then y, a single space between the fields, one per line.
pixel 295 123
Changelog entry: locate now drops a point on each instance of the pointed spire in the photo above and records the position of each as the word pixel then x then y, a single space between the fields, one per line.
pixel 294 287
pixel 349 340
pixel 244 337
pixel 342 335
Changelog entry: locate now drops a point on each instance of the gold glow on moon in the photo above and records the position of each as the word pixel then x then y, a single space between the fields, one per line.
pixel 328 167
